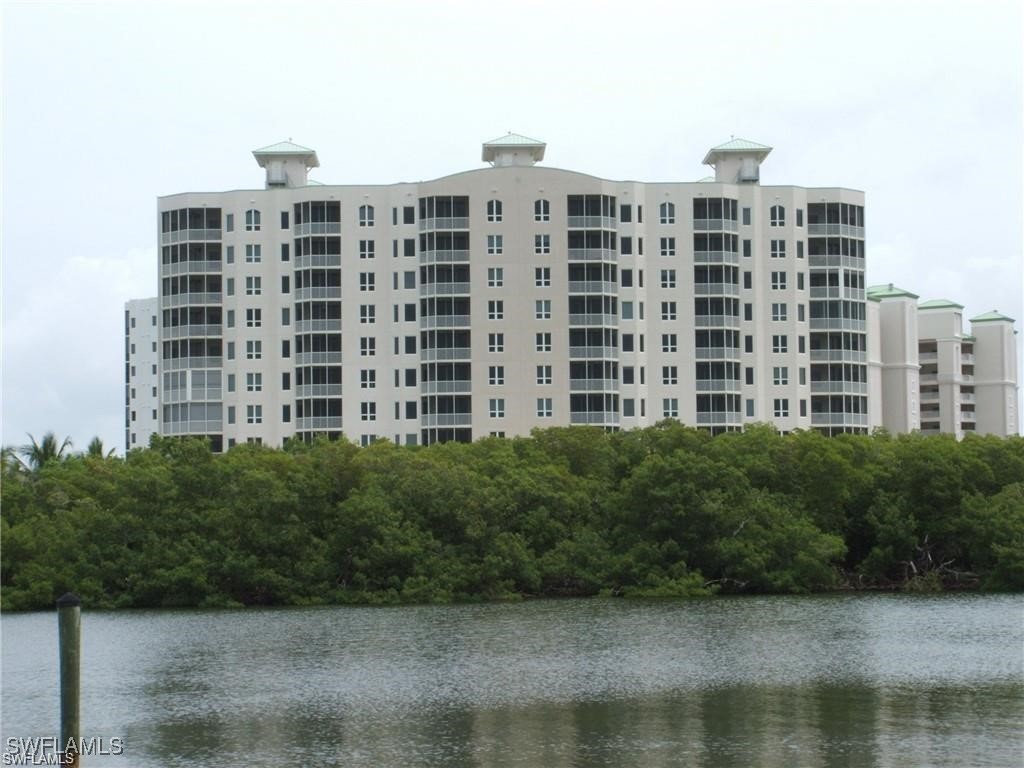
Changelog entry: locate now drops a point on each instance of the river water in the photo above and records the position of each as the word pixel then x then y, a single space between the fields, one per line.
pixel 858 680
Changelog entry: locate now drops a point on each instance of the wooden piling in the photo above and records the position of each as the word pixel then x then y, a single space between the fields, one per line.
pixel 69 623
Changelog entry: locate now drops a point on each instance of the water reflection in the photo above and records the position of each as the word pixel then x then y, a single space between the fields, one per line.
pixel 833 681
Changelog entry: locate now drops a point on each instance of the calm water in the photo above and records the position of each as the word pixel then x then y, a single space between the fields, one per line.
pixel 817 681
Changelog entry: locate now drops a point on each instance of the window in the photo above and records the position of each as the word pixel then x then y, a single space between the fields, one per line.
pixel 746 249
pixel 368 411
pixel 254 382
pixel 668 310
pixel 365 215
pixel 494 210
pixel 778 216
pixel 286 380
pixel 408 247
pixel 780 343
pixel 799 281
pixel 253 253
pixel 748 278
pixel 410 377
pixel 367 379
pixel 800 344
pixel 254 414
pixel 627 310
pixel 367 249
pixel 496 407
pixel 778 311
pixel 543 342
pixel 670 408
pixel 495 277
pixel 495 309
pixel 749 376
pixel 410 313
pixel 778 281
pixel 541 210
pixel 800 313
pixel 367 281
pixel 799 217
pixel 780 375
pixel 495 342
pixel 253 286
pixel 285 284
pixel 628 407
pixel 495 245
pixel 286 413
pixel 544 407
pixel 626 246
pixel 781 407
pixel 803 376
pixel 367 346
pixel 748 312
pixel 669 342
pixel 252 220
pixel 778 249
pixel 626 278
pixel 229 223
pixel 668 278
pixel 230 286
pixel 667 213
pixel 542 244
pixel 410 345
pixel 542 309
pixel 284 219
pixel 542 277
pixel 669 374
pixel 625 213
pixel 284 252
pixel 803 407
pixel 668 246
pixel 409 278
pixel 285 348
pixel 750 408
pixel 746 217
pixel 409 214
pixel 628 374
pixel 367 314
pixel 496 375
pixel 799 249
pixel 627 342
pixel 543 374
pixel 253 318
pixel 748 344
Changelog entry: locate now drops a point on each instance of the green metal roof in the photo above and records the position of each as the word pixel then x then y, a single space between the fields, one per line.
pixel 939 304
pixel 992 316
pixel 890 291
pixel 739 145
pixel 284 148
pixel 513 140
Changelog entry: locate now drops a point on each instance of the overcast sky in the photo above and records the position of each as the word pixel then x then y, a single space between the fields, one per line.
pixel 107 106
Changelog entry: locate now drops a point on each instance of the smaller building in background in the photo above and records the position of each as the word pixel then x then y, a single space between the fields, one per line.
pixel 928 374
pixel 141 401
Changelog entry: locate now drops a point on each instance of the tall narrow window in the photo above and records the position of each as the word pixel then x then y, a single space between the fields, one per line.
pixel 778 216
pixel 667 213
pixel 365 215
pixel 541 210
pixel 494 210
pixel 252 220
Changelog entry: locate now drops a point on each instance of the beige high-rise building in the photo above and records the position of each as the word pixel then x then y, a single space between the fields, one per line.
pixel 509 297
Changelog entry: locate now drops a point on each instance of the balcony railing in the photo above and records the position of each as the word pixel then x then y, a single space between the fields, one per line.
pixel 704 225
pixel 192 427
pixel 318 292
pixel 444 257
pixel 593 286
pixel 318 326
pixel 839 387
pixel 443 289
pixel 317 390
pixel 839 419
pixel 317 228
pixel 446 419
pixel 318 261
pixel 836 324
pixel 166 238
pixel 594 417
pixel 967 358
pixel 446 387
pixel 968 397
pixel 444 222
pixel 594 353
pixel 718 385
pixel 593 254
pixel 593 319
pixel 188 363
pixel 968 416
pixel 717 353
pixel 185 299
pixel 838 356
pixel 719 417
pixel 190 267
pixel 716 321
pixel 318 358
pixel 716 289
pixel 185 331
pixel 317 423
pixel 592 222
pixel 716 257
pixel 444 321
pixel 843 230
pixel 835 261
pixel 429 355
pixel 593 385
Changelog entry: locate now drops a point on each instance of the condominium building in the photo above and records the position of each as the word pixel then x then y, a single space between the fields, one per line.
pixel 927 374
pixel 509 297
pixel 141 372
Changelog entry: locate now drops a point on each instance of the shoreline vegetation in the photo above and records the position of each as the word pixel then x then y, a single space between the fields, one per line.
pixel 664 511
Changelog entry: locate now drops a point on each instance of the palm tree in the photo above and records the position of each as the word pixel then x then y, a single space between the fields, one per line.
pixel 37 455
pixel 95 449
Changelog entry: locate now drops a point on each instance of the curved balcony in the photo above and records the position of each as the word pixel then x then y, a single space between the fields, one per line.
pixel 717 353
pixel 317 423
pixel 729 418
pixel 715 225
pixel 716 257
pixel 716 289
pixel 716 321
pixel 593 319
pixel 446 420
pixel 593 254
pixel 189 363
pixel 839 387
pixel 594 353
pixel 836 230
pixel 318 326
pixel 183 235
pixel 592 222
pixel 593 385
pixel 186 299
pixel 835 261
pixel 718 385
pixel 609 418
pixel 443 289
pixel 430 355
pixel 186 331
pixel 836 292
pixel 318 358
pixel 445 387
pixel 444 222
pixel 318 292
pixel 838 356
pixel 593 286
pixel 444 321
pixel 839 419
pixel 317 390
pixel 317 228
pixel 190 267
pixel 318 261
pixel 836 324
pixel 444 257
pixel 192 427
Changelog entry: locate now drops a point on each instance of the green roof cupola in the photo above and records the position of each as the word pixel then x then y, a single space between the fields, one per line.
pixel 513 149
pixel 287 163
pixel 738 161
